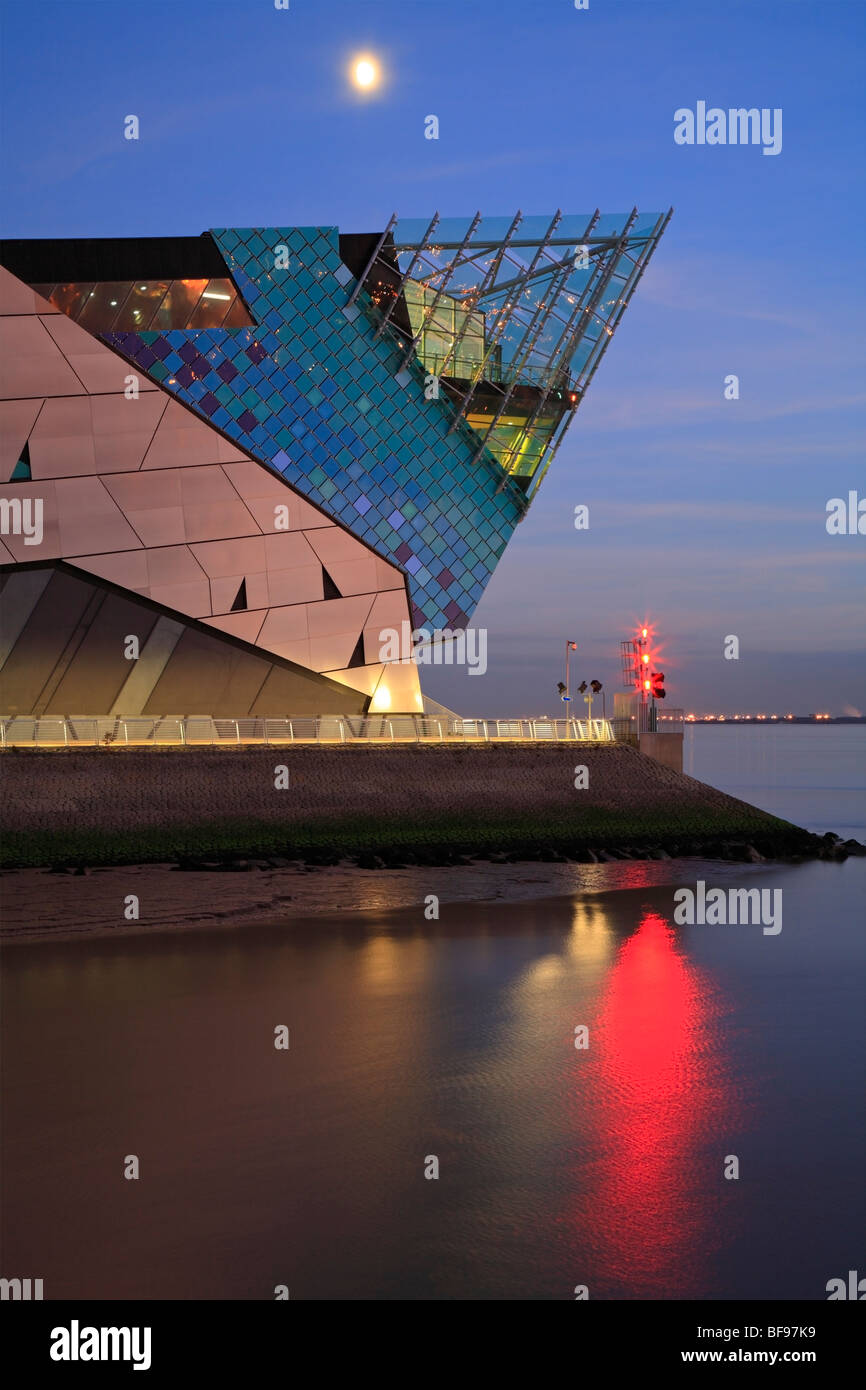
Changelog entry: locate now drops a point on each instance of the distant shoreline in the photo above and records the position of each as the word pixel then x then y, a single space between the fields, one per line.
pixel 799 719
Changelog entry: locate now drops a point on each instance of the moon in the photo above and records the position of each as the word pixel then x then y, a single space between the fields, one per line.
pixel 366 73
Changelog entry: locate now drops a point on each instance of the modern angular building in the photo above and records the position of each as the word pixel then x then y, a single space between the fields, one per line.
pixel 256 450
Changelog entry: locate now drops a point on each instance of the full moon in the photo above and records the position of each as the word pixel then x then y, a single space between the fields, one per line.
pixel 365 73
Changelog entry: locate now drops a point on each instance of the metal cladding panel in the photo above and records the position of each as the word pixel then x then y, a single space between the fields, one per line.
pixel 314 393
pixel 32 663
pixel 69 657
pixel 141 492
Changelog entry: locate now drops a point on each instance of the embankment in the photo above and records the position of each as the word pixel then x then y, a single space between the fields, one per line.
pixel 379 805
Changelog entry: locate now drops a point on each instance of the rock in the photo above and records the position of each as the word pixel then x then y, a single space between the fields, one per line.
pixel 836 854
pixel 854 847
pixel 367 860
pixel 741 853
pixel 393 859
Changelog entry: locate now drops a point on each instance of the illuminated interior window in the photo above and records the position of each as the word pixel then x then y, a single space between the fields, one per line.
pixel 147 304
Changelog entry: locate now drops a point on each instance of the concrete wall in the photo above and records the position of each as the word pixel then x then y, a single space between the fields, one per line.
pixel 667 749
pixel 427 785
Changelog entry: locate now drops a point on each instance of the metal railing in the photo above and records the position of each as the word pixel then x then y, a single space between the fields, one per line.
pixel 647 720
pixel 79 731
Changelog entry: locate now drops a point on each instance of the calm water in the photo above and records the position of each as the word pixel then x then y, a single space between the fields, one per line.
pixel 812 775
pixel 409 1038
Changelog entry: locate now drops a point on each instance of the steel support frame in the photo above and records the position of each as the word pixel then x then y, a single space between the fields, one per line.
pixel 652 240
pixel 483 289
pixel 439 292
pixel 503 320
pixel 434 222
pixel 372 261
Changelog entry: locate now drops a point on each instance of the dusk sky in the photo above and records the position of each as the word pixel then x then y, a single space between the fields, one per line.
pixel 706 514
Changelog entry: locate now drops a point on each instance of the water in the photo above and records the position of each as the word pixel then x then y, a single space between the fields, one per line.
pixel 412 1039
pixel 813 775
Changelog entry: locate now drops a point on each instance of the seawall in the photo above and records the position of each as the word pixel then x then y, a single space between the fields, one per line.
pixel 400 804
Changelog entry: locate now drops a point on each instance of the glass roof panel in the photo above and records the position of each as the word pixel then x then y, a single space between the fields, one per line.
pixel 517 308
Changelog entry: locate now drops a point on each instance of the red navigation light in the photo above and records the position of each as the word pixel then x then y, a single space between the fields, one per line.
pixel 645 658
pixel 657 685
pixel 647 685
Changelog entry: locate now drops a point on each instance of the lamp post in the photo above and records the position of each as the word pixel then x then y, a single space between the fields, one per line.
pixel 569 647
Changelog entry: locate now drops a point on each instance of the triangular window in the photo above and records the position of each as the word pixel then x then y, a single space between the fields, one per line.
pixel 21 472
pixel 331 590
pixel 240 598
pixel 357 657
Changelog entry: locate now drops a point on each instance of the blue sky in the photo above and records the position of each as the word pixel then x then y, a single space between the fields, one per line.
pixel 706 514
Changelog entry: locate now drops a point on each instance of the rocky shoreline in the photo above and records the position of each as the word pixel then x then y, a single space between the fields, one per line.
pixel 828 847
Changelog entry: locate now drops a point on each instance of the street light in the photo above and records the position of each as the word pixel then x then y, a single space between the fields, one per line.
pixel 594 688
pixel 564 693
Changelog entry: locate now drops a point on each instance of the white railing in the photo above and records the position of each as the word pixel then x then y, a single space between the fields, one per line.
pixel 79 731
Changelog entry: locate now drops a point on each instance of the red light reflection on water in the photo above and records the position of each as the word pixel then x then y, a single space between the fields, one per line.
pixel 659 1087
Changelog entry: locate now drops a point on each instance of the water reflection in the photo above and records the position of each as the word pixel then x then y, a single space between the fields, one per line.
pixel 453 1038
pixel 658 1085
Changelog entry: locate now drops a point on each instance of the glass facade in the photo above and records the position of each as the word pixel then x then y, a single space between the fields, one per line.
pixel 324 376
pixel 451 340
pixel 127 306
pixel 526 305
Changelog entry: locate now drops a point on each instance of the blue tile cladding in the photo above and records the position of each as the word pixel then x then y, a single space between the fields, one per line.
pixel 312 393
